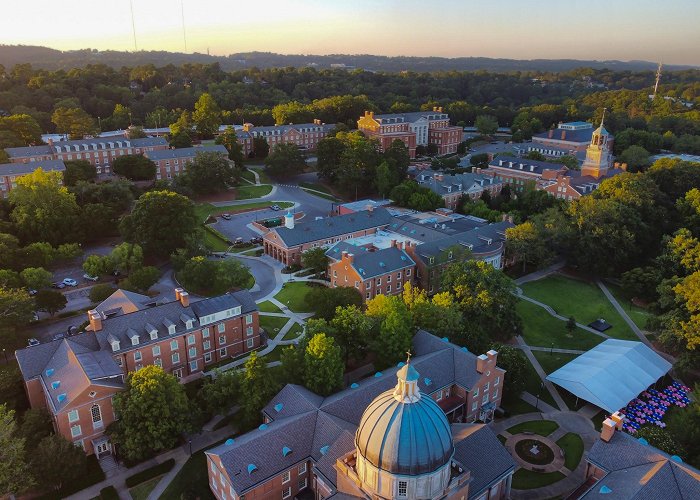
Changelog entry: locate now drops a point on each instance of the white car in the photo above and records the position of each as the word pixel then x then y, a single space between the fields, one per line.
pixel 90 277
pixel 32 342
pixel 69 282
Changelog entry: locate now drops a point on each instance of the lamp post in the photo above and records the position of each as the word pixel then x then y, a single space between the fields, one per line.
pixel 190 443
pixel 5 354
pixel 551 349
pixel 537 403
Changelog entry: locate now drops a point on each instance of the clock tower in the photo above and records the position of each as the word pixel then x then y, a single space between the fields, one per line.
pixel 598 158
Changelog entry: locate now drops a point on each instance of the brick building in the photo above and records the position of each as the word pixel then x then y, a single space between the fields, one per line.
pixel 371 271
pixel 313 443
pixel 452 187
pixel 304 135
pixel 413 129
pixel 172 162
pixel 76 378
pixel 571 138
pixel 99 151
pixel 10 172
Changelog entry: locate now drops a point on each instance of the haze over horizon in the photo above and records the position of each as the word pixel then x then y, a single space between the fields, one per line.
pixel 587 30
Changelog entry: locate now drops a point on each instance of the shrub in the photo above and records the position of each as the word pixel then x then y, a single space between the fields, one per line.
pixel 100 292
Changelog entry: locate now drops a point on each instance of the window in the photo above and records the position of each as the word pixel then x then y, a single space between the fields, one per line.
pixel 173 345
pixel 191 340
pixel 75 431
pixel 193 366
pixel 408 272
pixel 476 392
pixel 497 381
pixel 403 489
pixel 495 394
pixel 221 327
pixel 439 396
pixel 207 357
pixel 474 405
pixel 367 295
pixel 302 468
pixel 222 352
pixel 207 345
pixel 96 416
pixel 398 275
pixel 156 350
pixel 388 289
pixel 205 333
pixel 72 416
pixel 250 343
pixel 178 373
pixel 137 356
pixel 485 399
pixel 486 386
pixel 249 331
pixel 176 357
pixel 379 281
pixel 287 492
pixel 248 319
pixel 158 362
pixel 286 476
pixel 222 339
pixel 302 483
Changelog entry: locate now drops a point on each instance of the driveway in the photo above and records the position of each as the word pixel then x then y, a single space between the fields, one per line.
pixel 263 273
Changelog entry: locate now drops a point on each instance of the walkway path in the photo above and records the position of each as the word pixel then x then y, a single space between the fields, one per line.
pixel 555 349
pixel 542 273
pixel 622 313
pixel 541 373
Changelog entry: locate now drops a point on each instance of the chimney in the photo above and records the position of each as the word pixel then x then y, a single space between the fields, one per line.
pixel 550 134
pixel 184 298
pixel 317 121
pixel 623 166
pixel 610 425
pixel 500 163
pixel 178 291
pixel 435 109
pixel 247 126
pixel 393 243
pixel 481 362
pixel 563 135
pixel 49 141
pixel 370 208
pixel 439 109
pixel 95 320
pixel 347 256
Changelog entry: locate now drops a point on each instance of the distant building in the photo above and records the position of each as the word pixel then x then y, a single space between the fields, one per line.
pixel 76 378
pixel 413 129
pixel 404 433
pixel 304 135
pixel 10 172
pixel 452 187
pixel 98 151
pixel 172 162
pixel 358 206
pixel 572 137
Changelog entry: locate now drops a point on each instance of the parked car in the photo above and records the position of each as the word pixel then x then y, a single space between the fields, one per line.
pixel 32 292
pixel 32 342
pixel 276 208
pixel 58 284
pixel 58 336
pixel 238 241
pixel 90 277
pixel 226 216
pixel 70 282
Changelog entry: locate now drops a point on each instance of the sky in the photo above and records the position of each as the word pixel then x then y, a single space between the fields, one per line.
pixel 515 29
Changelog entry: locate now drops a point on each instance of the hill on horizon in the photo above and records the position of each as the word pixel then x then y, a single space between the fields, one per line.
pixel 52 59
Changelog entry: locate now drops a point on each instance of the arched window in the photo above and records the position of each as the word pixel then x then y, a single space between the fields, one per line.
pixel 96 414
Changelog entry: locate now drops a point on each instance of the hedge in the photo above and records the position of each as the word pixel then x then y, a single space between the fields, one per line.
pixel 155 471
pixel 109 493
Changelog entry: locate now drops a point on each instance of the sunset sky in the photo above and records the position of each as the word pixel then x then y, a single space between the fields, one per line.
pixel 519 29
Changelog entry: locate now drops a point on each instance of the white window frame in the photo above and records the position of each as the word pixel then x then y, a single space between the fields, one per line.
pixel 156 350
pixel 287 492
pixel 205 332
pixel 302 468
pixel 73 416
pixel 76 431
pixel 248 319
pixel 191 340
pixel 221 327
pixel 137 356
pixel 175 358
pixel 286 476
pixel 402 485
pixel 250 343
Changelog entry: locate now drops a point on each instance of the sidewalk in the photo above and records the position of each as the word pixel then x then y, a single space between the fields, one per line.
pixel 541 373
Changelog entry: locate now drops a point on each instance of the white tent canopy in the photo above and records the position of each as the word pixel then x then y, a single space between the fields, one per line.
pixel 611 374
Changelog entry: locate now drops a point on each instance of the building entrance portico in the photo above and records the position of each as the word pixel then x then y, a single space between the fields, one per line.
pixel 102 446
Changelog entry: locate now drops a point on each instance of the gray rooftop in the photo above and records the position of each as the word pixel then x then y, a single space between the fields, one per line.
pixel 330 227
pixel 577 136
pixel 322 429
pixel 640 471
pixel 480 240
pixel 42 149
pixel 444 184
pixel 528 166
pixel 28 168
pixel 122 302
pixel 300 127
pixel 375 263
pixel 411 116
pixel 167 154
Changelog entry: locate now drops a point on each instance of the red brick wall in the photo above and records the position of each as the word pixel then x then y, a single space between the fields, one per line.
pixel 342 274
pixel 273 488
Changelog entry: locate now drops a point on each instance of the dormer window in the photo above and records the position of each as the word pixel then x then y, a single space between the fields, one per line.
pixel 115 345
pixel 151 331
pixel 135 340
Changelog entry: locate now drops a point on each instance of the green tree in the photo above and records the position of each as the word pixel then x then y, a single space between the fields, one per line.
pixel 329 152
pixel 95 265
pixel 180 140
pixel 206 276
pixel 134 167
pixel 36 277
pixel 661 439
pixel 44 210
pixel 206 116
pixel 484 295
pixel 182 124
pixel 100 292
pixel 150 395
pixel 315 259
pixel 36 425
pixel 325 300
pixel 24 127
pixel 386 179
pixel 395 328
pixel 229 139
pixel 486 124
pixel 351 331
pixel 10 279
pixel 125 257
pixel 324 365
pixel 257 386
pixel 38 254
pixel 15 474
pixel 209 172
pixel 142 279
pixel 154 211
pixel 50 301
pixel 220 393
pixel 636 158
pixel 514 362
pixel 398 159
pixel 121 117
pixel 57 461
pixel 571 325
pixel 292 364
pixel 684 427
pixel 260 147
pixel 16 307
pixel 527 244
pixel 285 159
pixel 73 121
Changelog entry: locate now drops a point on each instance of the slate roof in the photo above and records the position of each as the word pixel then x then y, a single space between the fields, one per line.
pixel 639 471
pixel 28 168
pixel 331 227
pixel 123 302
pixel 21 152
pixel 370 264
pixel 478 239
pixel 529 166
pixel 282 129
pixel 455 184
pixel 411 116
pixel 167 154
pixel 576 136
pixel 307 423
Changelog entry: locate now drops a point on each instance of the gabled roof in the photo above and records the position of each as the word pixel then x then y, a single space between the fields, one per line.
pixel 444 184
pixel 476 241
pixel 612 373
pixel 577 136
pixel 167 154
pixel 640 471
pixel 534 167
pixel 223 302
pixel 331 227
pixel 43 149
pixel 33 360
pixel 411 117
pixel 369 264
pixel 28 168
pixel 123 302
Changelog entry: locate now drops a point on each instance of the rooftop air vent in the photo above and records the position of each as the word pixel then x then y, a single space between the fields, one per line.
pixel 378 374
pixel 49 372
pixel 324 449
pixel 354 385
pixel 286 451
pixel 427 381
pixel 262 427
pixel 56 384
pixel 229 442
pixel 61 397
pixel 278 407
pixel 252 468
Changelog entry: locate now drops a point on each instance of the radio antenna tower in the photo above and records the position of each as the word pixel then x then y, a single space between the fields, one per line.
pixel 133 26
pixel 658 77
pixel 182 12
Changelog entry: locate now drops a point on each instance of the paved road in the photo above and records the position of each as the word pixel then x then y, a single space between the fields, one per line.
pixel 263 273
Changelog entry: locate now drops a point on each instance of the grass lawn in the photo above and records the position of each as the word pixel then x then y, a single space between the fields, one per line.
pixel 268 307
pixel 540 329
pixel 638 314
pixel 273 324
pixel 193 478
pixel 552 362
pixel 247 191
pixel 516 406
pixel 294 296
pixel 572 444
pixel 213 241
pixel 274 355
pixel 293 332
pixel 524 479
pixel 541 427
pixel 582 300
pixel 532 385
pixel 598 419
pixel 205 209
pixel 321 195
pixel 315 186
pixel 141 491
pixel 248 175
